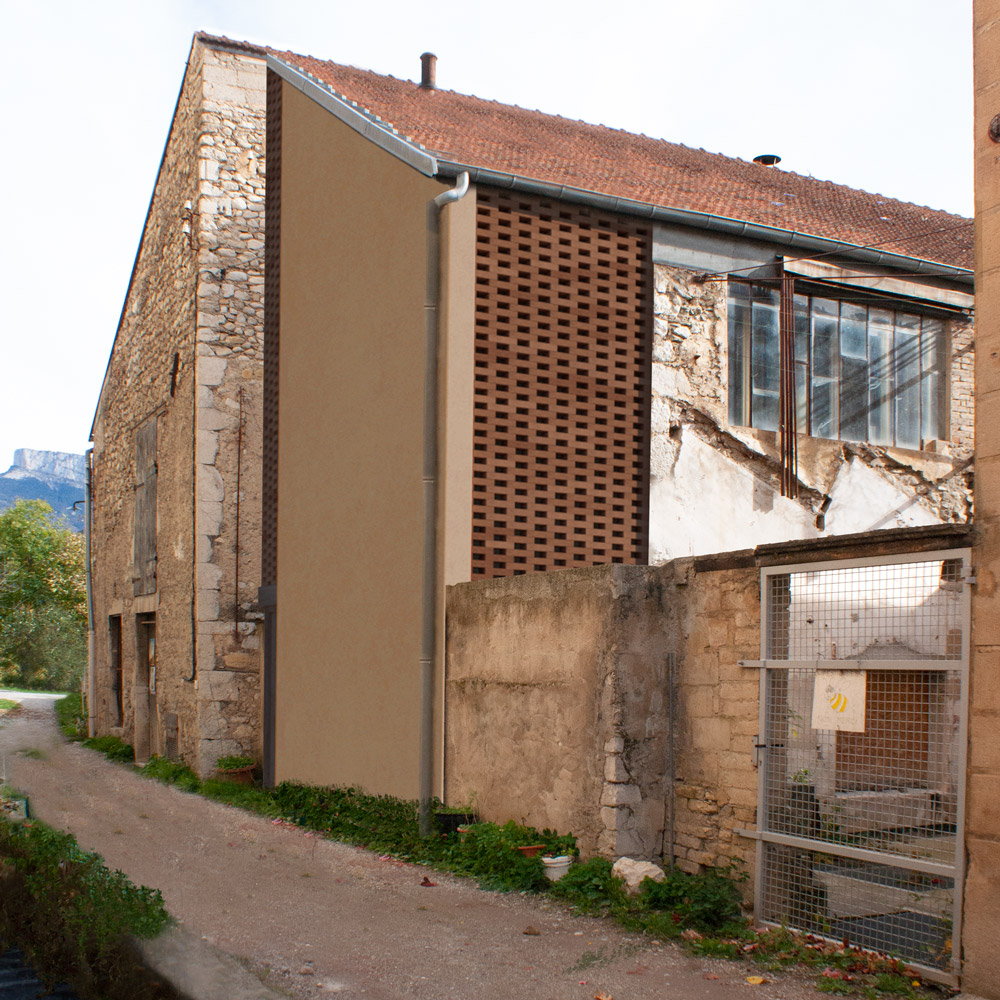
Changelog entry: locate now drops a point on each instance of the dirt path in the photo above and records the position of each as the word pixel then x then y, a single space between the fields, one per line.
pixel 314 917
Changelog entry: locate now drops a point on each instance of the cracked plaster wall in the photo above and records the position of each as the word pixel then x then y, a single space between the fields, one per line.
pixel 715 487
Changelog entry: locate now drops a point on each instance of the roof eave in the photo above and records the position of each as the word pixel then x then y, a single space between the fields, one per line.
pixel 707 220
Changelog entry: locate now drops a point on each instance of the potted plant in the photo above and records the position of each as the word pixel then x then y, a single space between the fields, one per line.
pixel 450 818
pixel 237 768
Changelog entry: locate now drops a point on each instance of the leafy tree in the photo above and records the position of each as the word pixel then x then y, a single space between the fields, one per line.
pixel 43 599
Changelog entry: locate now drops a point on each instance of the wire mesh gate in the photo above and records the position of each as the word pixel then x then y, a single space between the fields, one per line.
pixel 863 722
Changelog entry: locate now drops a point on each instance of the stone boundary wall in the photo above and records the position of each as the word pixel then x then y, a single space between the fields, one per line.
pixel 565 678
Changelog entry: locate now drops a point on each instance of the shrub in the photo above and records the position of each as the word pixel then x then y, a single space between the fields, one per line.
pixel 706 901
pixel 591 887
pixel 233 762
pixel 70 914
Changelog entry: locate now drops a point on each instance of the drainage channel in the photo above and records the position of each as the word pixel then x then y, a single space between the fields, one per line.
pixel 19 982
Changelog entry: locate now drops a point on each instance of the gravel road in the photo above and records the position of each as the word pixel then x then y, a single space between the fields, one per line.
pixel 313 917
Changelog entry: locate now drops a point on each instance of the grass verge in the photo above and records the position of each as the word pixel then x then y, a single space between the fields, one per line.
pixel 72 916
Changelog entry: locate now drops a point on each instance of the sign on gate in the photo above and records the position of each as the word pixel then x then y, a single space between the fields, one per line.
pixel 839 701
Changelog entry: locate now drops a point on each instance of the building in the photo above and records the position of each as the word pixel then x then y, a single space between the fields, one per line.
pixel 636 352
pixel 982 889
pixel 177 439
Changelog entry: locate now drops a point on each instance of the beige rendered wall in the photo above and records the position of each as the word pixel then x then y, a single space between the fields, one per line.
pixel 353 275
pixel 982 887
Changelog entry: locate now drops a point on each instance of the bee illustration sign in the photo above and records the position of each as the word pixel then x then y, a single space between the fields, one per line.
pixel 839 700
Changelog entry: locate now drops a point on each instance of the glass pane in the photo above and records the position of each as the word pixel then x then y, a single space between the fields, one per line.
pixel 853 331
pixel 906 373
pixel 825 349
pixel 824 407
pixel 739 320
pixel 802 398
pixel 765 409
pixel 801 328
pixel 932 400
pixel 765 365
pixel 879 378
pixel 853 399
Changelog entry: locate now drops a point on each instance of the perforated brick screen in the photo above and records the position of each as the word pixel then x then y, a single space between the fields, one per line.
pixel 563 332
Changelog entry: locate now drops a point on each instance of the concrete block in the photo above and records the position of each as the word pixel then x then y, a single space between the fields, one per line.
pixel 614 745
pixel 209 518
pixel 208 604
pixel 628 842
pixel 208 576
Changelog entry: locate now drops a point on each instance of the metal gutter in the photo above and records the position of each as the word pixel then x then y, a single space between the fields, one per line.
pixel 383 135
pixel 705 220
pixel 88 513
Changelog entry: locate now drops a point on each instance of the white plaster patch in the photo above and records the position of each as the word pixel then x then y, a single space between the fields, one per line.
pixel 862 500
pixel 709 503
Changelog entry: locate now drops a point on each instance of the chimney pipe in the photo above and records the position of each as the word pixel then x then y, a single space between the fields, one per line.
pixel 428 62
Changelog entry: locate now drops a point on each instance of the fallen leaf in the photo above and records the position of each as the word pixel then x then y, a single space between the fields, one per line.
pixel 637 971
pixel 690 934
pixel 427 883
pixel 756 980
pixel 603 996
pixel 709 975
pixel 533 931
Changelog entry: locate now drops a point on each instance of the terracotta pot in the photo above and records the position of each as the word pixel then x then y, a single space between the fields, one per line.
pixel 531 850
pixel 238 775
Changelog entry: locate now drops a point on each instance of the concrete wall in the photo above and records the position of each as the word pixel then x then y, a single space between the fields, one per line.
pixel 982 888
pixel 845 487
pixel 186 350
pixel 565 676
pixel 353 276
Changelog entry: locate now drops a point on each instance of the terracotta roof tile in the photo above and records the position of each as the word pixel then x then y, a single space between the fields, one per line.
pixel 481 133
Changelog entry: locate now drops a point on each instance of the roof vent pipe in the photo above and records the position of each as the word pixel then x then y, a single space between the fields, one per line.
pixel 428 63
pixel 767 159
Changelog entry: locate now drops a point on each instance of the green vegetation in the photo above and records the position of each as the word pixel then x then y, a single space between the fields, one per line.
pixel 234 762
pixel 70 914
pixel 6 704
pixel 71 716
pixel 171 772
pixel 43 600
pixel 112 748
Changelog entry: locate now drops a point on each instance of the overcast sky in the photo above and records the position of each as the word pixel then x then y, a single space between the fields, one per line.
pixel 876 94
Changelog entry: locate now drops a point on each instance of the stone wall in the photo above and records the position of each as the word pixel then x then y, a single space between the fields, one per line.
pixel 566 676
pixel 230 335
pixel 188 352
pixel 844 487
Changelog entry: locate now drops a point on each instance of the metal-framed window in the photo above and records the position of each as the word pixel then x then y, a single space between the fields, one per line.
pixel 862 371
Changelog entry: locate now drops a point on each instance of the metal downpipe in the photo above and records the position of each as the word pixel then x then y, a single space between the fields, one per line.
pixel 91 667
pixel 428 630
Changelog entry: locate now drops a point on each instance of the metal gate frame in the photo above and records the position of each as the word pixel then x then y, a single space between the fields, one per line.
pixel 763 836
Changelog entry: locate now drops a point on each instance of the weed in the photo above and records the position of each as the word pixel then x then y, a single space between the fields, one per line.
pixel 172 772
pixel 836 986
pixel 112 748
pixel 7 704
pixel 72 719
pixel 233 762
pixel 706 901
pixel 33 752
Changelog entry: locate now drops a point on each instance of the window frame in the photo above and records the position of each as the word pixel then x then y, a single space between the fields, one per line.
pixel 754 378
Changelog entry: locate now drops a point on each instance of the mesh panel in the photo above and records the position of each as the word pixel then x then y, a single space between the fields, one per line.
pixel 877 792
pixel 563 326
pixel 874 906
